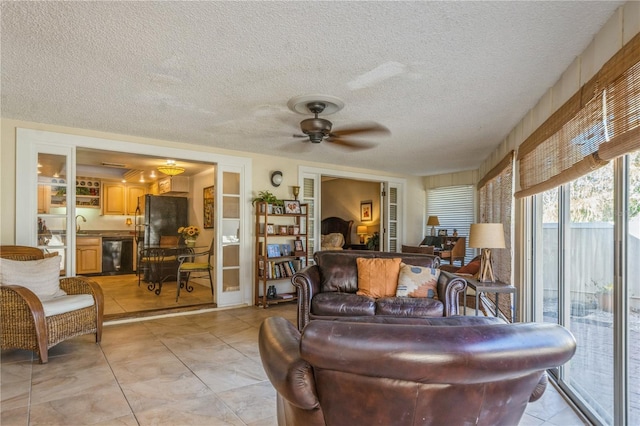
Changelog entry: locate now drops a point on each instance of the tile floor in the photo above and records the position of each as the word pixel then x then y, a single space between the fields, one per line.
pixel 123 295
pixel 191 369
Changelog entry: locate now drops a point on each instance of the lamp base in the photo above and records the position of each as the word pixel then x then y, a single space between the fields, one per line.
pixel 433 231
pixel 361 239
pixel 486 267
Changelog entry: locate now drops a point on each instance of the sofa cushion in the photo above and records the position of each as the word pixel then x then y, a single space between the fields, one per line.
pixel 378 277
pixel 409 307
pixel 41 276
pixel 342 304
pixel 63 304
pixel 417 281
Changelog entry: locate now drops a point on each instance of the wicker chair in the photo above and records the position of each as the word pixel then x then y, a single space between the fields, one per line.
pixel 24 324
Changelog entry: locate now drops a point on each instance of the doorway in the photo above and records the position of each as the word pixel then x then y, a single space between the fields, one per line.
pixel 204 170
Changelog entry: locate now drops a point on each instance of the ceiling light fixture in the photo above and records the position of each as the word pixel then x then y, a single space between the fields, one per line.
pixel 171 169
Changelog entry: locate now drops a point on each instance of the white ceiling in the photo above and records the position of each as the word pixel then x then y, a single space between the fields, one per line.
pixel 449 79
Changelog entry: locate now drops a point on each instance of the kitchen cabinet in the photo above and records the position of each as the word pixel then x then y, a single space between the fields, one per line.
pixel 120 198
pixel 88 255
pixel 133 192
pixel 173 184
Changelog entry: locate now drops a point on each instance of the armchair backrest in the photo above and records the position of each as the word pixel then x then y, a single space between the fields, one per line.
pixel 459 248
pixel 445 371
pixel 339 269
pixel 21 253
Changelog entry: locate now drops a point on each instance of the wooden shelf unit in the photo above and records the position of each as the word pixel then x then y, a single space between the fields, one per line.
pixel 273 263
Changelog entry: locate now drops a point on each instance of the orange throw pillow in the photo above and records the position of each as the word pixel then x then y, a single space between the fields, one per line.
pixel 378 277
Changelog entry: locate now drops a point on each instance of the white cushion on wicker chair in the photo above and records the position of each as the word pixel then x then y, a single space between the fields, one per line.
pixel 40 276
pixel 63 304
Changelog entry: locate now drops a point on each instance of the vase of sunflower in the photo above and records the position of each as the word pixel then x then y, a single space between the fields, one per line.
pixel 189 234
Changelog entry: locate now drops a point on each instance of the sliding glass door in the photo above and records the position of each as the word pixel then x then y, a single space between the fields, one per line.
pixel 586 277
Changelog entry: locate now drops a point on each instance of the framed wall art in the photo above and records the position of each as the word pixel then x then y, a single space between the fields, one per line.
pixel 207 204
pixel 366 211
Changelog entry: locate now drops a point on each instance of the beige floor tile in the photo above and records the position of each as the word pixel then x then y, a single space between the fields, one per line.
pixel 95 404
pixel 251 403
pixel 206 410
pixel 231 375
pixel 15 394
pixel 150 394
pixel 167 366
pixel 18 416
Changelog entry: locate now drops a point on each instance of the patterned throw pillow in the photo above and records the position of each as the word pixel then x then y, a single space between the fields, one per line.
pixel 41 276
pixel 417 281
pixel 377 277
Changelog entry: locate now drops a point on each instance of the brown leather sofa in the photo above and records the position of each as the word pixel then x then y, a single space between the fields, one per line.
pixel 409 371
pixel 327 289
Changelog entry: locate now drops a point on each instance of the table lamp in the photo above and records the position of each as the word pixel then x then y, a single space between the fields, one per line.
pixel 433 221
pixel 362 231
pixel 486 236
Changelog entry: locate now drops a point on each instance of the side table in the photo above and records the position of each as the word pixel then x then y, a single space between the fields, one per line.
pixel 496 287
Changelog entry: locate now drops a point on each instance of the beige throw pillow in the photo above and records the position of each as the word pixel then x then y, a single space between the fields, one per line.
pixel 40 276
pixel 417 281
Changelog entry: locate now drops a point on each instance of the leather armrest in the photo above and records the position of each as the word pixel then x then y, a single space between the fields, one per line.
pixel 449 288
pixel 290 375
pixel 307 283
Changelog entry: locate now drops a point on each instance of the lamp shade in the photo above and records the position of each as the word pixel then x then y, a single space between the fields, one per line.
pixel 433 221
pixel 486 235
pixel 361 230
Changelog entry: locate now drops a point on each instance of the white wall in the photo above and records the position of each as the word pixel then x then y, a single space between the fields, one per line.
pixel 263 165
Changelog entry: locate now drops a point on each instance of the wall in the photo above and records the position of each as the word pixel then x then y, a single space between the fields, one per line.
pixel 262 166
pixel 342 197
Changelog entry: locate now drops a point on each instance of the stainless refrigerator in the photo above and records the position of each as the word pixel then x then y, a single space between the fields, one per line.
pixel 160 215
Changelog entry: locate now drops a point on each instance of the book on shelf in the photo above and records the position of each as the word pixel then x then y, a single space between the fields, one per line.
pixel 286 296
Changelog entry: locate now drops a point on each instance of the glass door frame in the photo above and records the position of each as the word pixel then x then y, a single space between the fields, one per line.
pixel 27 141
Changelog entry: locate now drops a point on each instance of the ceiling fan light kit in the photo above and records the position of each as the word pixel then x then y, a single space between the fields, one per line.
pixel 318 129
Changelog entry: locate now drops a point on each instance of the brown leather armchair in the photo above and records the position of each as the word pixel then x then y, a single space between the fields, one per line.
pixel 409 371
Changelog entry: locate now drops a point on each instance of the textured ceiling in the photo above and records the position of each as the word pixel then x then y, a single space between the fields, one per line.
pixel 449 79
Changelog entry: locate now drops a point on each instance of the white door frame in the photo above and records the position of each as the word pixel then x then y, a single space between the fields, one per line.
pixel 399 183
pixel 28 139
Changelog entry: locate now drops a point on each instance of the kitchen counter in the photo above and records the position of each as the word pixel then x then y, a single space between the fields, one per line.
pixel 109 234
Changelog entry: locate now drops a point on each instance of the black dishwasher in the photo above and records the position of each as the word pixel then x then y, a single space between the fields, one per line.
pixel 117 255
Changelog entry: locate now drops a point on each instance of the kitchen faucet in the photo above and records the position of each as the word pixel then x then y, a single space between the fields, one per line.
pixel 77 224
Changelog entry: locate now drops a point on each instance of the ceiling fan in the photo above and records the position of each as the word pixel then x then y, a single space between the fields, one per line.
pixel 318 129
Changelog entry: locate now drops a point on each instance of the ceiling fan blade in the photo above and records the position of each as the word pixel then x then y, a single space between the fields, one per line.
pixel 364 128
pixel 350 144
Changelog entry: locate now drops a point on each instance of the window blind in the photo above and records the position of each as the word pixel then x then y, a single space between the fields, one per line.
pixel 454 206
pixel 495 195
pixel 597 124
